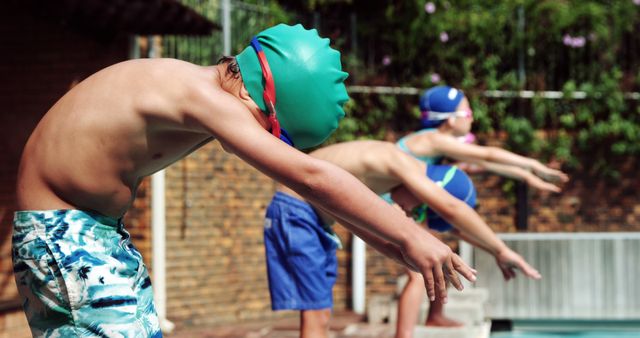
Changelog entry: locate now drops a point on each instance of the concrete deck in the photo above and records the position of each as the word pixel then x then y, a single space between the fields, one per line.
pixel 467 307
pixel 343 325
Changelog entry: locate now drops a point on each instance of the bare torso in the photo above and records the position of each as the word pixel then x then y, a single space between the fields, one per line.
pixel 93 147
pixel 366 160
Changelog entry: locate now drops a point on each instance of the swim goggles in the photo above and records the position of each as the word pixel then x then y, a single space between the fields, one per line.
pixel 269 94
pixel 437 116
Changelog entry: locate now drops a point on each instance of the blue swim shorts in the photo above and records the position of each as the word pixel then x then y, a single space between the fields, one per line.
pixel 301 256
pixel 79 275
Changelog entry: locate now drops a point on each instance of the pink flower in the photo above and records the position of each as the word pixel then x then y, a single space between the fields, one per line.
pixel 386 60
pixel 636 2
pixel 435 77
pixel 444 37
pixel 574 42
pixel 430 7
pixel 578 42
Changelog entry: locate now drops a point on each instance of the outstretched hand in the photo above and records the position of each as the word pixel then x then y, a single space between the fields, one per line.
pixel 509 261
pixel 438 265
pixel 536 182
pixel 550 174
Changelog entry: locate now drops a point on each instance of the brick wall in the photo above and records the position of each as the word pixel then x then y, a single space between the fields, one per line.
pixel 216 270
pixel 40 60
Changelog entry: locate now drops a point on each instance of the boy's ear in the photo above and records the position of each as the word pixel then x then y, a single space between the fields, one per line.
pixel 244 93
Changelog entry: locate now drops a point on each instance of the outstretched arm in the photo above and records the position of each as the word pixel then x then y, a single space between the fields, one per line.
pixel 321 183
pixel 450 147
pixel 398 254
pixel 507 259
pixel 467 222
pixel 519 174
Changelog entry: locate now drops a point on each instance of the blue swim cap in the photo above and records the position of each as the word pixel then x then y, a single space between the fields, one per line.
pixel 436 103
pixel 457 183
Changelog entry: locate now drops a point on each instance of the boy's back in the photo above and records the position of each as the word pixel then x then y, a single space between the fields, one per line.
pixel 374 163
pixel 370 161
pixel 145 129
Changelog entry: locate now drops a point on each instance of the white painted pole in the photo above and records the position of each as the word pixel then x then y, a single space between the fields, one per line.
pixel 158 235
pixel 359 273
pixel 158 223
pixel 226 27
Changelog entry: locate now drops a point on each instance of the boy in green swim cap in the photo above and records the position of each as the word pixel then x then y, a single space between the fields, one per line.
pixel 300 247
pixel 75 267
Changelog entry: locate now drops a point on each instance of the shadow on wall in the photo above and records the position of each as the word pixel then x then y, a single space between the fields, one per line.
pixel 40 62
pixel 8 296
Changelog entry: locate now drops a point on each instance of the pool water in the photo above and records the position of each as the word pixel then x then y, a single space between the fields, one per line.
pixel 590 334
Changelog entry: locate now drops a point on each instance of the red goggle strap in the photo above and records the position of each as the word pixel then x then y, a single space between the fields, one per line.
pixel 269 93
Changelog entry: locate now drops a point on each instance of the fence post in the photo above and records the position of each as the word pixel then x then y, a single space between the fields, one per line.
pixel 522 200
pixel 226 26
pixel 353 24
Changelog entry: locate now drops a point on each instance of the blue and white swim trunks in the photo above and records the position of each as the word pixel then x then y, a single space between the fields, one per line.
pixel 79 275
pixel 301 256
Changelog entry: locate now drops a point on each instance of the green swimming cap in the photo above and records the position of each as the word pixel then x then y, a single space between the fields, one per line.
pixel 309 82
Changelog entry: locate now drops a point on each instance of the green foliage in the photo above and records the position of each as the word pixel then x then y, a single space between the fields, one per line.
pixel 570 46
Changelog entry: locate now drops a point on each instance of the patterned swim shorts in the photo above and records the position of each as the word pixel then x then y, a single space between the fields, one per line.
pixel 79 275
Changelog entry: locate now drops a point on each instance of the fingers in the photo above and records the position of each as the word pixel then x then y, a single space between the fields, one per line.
pixel 551 188
pixel 518 262
pixel 441 285
pixel 429 284
pixel 508 273
pixel 563 177
pixel 528 270
pixel 512 272
pixel 452 276
pixel 509 265
pixel 550 174
pixel 505 275
pixel 461 267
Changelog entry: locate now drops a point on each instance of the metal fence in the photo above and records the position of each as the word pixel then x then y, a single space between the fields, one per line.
pixel 585 276
pixel 240 21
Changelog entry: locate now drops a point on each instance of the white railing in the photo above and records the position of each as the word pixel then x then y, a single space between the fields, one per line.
pixel 524 94
pixel 586 276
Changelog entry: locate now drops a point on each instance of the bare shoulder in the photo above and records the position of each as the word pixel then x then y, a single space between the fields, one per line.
pixel 435 142
pixel 143 76
pixel 147 67
pixel 378 156
pixel 177 90
pixel 436 136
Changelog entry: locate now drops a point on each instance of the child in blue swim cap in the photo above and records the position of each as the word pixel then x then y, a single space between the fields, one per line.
pixel 447 115
pixel 446 119
pixel 300 246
